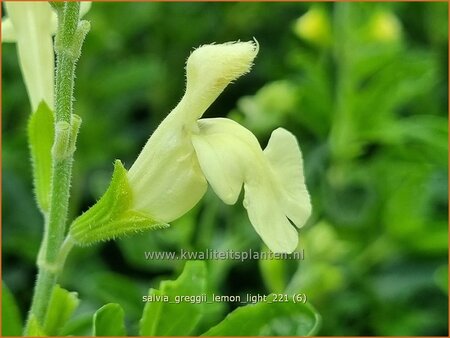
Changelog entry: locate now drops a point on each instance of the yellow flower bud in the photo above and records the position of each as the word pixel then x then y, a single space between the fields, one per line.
pixel 385 27
pixel 314 26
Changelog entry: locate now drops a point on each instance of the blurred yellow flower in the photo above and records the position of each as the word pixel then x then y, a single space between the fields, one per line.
pixel 385 27
pixel 314 26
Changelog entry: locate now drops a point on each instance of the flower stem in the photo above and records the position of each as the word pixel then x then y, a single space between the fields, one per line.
pixel 68 42
pixel 342 135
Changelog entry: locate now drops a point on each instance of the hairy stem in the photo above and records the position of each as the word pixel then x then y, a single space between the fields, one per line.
pixel 68 41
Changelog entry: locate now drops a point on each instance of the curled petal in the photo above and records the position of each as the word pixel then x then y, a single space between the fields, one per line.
pixel 275 192
pixel 222 157
pixel 269 222
pixel 285 158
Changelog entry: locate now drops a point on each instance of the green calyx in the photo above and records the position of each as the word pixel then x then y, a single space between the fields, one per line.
pixel 112 215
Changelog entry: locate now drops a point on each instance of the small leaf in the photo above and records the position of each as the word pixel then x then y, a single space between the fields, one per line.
pixel 34 328
pixel 61 307
pixel 11 320
pixel 41 132
pixel 80 325
pixel 171 318
pixel 269 319
pixel 110 287
pixel 111 216
pixel 109 321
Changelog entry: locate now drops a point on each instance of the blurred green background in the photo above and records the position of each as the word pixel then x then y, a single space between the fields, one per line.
pixel 363 86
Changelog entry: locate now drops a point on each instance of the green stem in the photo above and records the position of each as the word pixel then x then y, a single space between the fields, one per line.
pixel 342 132
pixel 68 43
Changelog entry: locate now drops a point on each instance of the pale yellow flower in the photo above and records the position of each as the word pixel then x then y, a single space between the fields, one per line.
pixel 170 175
pixel 31 25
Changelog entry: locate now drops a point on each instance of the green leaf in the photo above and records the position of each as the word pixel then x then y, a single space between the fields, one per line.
pixel 11 320
pixel 34 328
pixel 110 287
pixel 61 307
pixel 41 132
pixel 109 321
pixel 80 325
pixel 269 319
pixel 169 318
pixel 411 212
pixel 112 215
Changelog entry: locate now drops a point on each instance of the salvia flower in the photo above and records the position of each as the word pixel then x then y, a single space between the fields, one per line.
pixel 185 152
